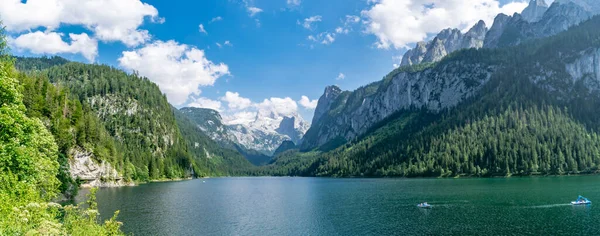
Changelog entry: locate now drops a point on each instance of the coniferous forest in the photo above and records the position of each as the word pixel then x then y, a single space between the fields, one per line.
pixel 513 126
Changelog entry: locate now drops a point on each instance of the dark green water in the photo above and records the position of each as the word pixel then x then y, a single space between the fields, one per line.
pixel 323 206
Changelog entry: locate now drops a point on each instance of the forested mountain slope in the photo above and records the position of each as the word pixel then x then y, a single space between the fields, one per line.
pixel 29 166
pixel 534 112
pixel 119 123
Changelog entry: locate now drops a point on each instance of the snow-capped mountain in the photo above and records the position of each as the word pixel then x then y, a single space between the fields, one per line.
pixel 263 133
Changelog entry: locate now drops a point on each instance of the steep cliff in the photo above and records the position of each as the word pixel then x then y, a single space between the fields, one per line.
pixel 535 10
pixel 537 113
pixel 446 42
pixel 513 30
pixel 434 89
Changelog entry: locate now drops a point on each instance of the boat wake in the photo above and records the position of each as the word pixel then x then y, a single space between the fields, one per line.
pixel 550 205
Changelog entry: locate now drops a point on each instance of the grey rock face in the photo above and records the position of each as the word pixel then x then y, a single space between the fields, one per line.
pixel 446 42
pixel 287 127
pixel 510 31
pixel 535 11
pixel 329 96
pixel 492 37
pixel 433 89
pixel 94 173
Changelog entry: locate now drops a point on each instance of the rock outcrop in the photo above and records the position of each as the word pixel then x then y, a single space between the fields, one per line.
pixel 433 89
pixel 330 94
pixel 535 10
pixel 446 42
pixel 93 173
pixel 513 30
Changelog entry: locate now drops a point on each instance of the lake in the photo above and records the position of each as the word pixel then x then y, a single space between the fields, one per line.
pixel 326 206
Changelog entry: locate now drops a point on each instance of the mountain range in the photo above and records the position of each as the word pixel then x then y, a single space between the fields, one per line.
pixel 263 134
pixel 526 102
pixel 354 113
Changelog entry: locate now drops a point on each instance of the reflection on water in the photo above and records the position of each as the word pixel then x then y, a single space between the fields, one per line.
pixel 323 206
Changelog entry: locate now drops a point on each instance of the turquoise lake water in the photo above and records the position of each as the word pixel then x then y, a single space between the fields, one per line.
pixel 325 206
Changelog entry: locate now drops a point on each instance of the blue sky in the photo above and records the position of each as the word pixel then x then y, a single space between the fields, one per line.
pixel 269 54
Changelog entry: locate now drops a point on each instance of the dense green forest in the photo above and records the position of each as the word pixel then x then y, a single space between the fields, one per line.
pixel 122 118
pixel 513 126
pixel 29 163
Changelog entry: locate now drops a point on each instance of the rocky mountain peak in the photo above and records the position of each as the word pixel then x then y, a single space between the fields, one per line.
pixel 535 11
pixel 329 95
pixel 446 42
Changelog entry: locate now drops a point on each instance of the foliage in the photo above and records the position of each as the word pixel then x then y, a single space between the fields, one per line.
pixel 28 170
pixel 512 126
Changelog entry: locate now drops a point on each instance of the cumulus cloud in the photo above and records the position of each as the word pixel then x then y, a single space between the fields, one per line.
pixel 52 43
pixel 277 107
pixel 241 110
pixel 307 103
pixel 110 20
pixel 202 102
pixel 341 76
pixel 201 29
pixel 397 23
pixel 308 22
pixel 235 101
pixel 178 69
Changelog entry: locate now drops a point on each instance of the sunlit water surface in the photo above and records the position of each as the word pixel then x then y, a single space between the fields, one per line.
pixel 324 206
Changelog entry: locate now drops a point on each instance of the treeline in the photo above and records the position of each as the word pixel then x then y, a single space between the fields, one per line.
pixel 29 166
pixel 516 124
pixel 121 118
pixel 73 124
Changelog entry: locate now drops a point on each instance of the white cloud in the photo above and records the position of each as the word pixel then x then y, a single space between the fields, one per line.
pixel 294 2
pixel 235 101
pixel 253 11
pixel 219 45
pixel 347 24
pixel 178 69
pixel 228 43
pixel 277 107
pixel 201 29
pixel 341 76
pixel 213 20
pixel 110 20
pixel 241 110
pixel 52 43
pixel 308 22
pixel 328 38
pixel 307 103
pixel 205 103
pixel 323 38
pixel 397 23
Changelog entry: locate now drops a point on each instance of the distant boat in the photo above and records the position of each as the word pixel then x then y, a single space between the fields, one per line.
pixel 581 201
pixel 424 205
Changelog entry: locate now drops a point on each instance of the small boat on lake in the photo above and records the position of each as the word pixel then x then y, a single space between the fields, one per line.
pixel 424 205
pixel 581 201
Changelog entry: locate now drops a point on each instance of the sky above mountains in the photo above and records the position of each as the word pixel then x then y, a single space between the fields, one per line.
pixel 241 57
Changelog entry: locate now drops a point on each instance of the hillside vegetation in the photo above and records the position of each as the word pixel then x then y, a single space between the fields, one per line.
pixel 532 117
